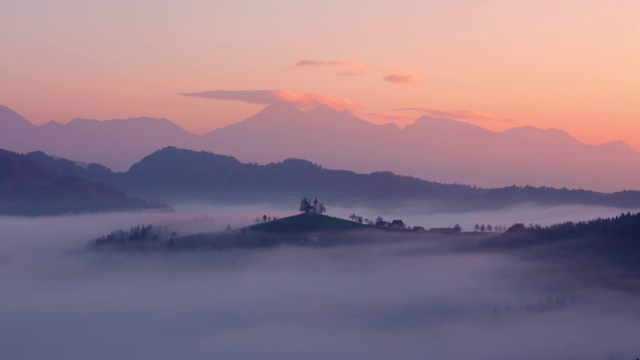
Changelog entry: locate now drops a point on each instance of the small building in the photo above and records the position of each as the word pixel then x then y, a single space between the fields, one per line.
pixel 397 224
pixel 418 229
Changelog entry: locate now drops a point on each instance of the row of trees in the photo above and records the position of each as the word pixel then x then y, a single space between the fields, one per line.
pixel 264 218
pixel 379 221
pixel 489 228
pixel 140 233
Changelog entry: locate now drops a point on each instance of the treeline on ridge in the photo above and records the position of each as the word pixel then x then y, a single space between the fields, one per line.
pixel 175 174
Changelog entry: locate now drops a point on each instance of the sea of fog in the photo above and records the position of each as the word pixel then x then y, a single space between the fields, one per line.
pixel 403 300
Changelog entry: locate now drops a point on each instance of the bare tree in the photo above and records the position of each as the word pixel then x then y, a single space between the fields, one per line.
pixel 321 209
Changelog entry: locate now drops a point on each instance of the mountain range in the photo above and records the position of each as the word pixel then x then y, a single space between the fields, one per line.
pixel 437 149
pixel 177 175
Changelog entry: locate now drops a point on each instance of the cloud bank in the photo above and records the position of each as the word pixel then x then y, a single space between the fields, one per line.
pixel 411 299
pixel 409 79
pixel 303 100
pixel 347 67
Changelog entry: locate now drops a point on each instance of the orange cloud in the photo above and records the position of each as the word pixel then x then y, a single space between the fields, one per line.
pixel 348 67
pixel 460 114
pixel 404 79
pixel 271 96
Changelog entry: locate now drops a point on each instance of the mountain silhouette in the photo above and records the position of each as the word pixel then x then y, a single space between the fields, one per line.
pixel 118 143
pixel 437 149
pixel 29 188
pixel 178 175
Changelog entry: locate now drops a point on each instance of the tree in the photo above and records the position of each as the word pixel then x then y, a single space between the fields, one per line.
pixel 353 217
pixel 457 228
pixel 476 228
pixel 264 218
pixel 321 209
pixel 489 228
pixel 305 205
pixel 482 228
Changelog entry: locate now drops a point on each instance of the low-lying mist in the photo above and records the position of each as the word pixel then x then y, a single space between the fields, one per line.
pixel 384 300
pixel 527 214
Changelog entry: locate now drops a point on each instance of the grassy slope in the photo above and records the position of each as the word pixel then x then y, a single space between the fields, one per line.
pixel 306 222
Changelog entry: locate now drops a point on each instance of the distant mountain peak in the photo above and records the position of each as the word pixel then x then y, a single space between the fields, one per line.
pixel 440 123
pixel 326 115
pixel 282 108
pixel 80 122
pixel 534 131
pixel 324 109
pixel 53 123
pixel 8 116
pixel 618 146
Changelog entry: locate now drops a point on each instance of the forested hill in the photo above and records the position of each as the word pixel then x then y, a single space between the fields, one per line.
pixel 173 174
pixel 623 227
pixel 29 188
pixel 616 240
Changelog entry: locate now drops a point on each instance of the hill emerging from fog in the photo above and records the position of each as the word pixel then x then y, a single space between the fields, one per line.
pixel 306 223
pixel 438 149
pixel 601 245
pixel 178 175
pixel 29 188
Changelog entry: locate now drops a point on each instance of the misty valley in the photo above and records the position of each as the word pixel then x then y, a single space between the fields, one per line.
pixel 227 288
pixel 189 254
pixel 320 180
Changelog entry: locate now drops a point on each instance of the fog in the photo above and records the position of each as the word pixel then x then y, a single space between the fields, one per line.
pixel 405 300
pixel 527 214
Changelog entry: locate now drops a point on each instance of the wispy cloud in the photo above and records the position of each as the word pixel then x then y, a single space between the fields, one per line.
pixel 303 100
pixel 404 79
pixel 347 67
pixel 459 114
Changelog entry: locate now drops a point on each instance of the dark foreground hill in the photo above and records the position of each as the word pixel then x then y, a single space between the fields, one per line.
pixel 29 188
pixel 611 243
pixel 173 174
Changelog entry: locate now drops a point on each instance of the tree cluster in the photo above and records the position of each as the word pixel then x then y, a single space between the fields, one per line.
pixel 307 207
pixel 137 234
pixel 489 228
pixel 264 218
pixel 623 227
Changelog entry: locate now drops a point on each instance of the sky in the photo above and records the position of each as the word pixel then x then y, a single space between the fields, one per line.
pixel 570 65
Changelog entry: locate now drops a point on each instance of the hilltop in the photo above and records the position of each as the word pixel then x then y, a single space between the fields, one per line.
pixel 305 223
pixel 306 229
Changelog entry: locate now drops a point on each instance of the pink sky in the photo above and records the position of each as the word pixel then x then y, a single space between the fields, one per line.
pixel 571 65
